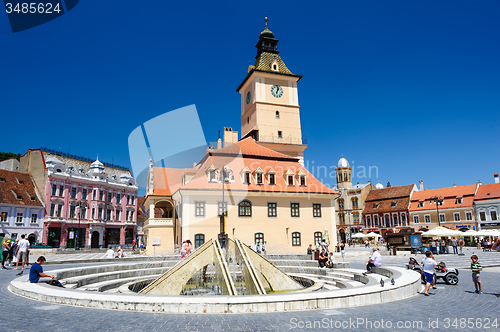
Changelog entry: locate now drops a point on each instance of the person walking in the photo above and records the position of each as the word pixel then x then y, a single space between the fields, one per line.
pixel 264 247
pixel 476 268
pixel 342 250
pixel 12 250
pixel 455 246
pixel 5 251
pixel 22 251
pixel 429 264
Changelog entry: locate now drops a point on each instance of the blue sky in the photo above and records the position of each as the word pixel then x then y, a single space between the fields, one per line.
pixel 411 88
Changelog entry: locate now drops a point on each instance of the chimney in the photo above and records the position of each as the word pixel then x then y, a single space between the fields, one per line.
pixel 454 185
pixel 496 178
pixel 388 185
pixel 219 144
pixel 421 185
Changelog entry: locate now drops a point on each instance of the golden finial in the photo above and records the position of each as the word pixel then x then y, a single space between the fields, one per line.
pixel 265 18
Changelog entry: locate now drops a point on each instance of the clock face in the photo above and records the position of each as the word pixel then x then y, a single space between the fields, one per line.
pixel 248 97
pixel 277 91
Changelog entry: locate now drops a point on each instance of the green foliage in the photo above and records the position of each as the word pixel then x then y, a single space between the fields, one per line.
pixel 9 155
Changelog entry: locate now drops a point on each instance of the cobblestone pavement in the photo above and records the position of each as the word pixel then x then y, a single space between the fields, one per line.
pixel 446 304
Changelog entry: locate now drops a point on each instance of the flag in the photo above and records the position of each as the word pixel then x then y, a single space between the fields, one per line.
pixel 141 209
pixel 3 215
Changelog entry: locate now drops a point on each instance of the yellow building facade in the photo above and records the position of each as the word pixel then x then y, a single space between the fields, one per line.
pixel 258 182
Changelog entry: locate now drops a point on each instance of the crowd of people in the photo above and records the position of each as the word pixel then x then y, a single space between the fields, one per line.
pixel 17 252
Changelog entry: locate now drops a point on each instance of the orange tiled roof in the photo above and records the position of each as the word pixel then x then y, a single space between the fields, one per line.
pixel 384 199
pixel 244 154
pixel 166 181
pixel 488 191
pixel 17 188
pixel 449 194
pixel 248 147
pixel 200 180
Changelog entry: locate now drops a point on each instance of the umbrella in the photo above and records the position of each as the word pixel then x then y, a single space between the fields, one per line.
pixel 442 231
pixel 485 232
pixel 372 234
pixel 358 235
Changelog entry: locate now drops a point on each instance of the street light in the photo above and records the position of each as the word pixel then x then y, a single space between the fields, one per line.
pixel 80 204
pixel 222 234
pixel 438 200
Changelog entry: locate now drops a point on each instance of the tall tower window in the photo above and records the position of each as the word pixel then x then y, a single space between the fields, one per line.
pixel 280 134
pixel 277 114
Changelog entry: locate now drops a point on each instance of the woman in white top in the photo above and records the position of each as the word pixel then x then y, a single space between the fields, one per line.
pixel 429 264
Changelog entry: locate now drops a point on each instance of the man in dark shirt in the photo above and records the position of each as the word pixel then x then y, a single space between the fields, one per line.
pixel 36 272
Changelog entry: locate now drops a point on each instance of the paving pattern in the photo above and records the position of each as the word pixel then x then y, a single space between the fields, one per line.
pixel 418 313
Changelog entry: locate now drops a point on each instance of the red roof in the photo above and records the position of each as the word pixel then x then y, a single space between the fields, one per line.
pixel 449 195
pixel 390 199
pixel 246 154
pixel 488 191
pixel 17 188
pixel 248 147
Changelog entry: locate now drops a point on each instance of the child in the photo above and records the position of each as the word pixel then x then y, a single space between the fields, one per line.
pixel 476 268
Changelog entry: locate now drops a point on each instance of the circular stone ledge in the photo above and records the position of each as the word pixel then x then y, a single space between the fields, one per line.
pixel 408 283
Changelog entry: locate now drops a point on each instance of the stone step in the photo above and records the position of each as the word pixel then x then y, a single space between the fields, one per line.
pixel 81 271
pixel 101 277
pixel 108 285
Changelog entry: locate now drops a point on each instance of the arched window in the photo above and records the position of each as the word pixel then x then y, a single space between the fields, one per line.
pixel 355 218
pixel 368 222
pixel 341 218
pixel 341 204
pixel 375 221
pixel 199 239
pixel 296 239
pixel 345 176
pixel 259 238
pixel 245 209
pixel 354 201
pixel 387 221
pixel 277 114
pixel 318 236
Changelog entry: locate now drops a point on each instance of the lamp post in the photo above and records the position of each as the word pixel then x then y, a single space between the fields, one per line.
pixel 438 200
pixel 80 204
pixel 222 234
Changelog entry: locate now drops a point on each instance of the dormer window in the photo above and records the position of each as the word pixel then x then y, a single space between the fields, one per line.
pixel 290 180
pixel 20 181
pixel 212 176
pixel 58 170
pixel 394 203
pixel 272 178
pixel 375 206
pixel 421 204
pixel 275 66
pixel 302 178
pixel 259 175
pixel 246 175
pixel 459 200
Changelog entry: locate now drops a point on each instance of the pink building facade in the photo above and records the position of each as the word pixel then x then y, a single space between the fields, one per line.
pixel 88 205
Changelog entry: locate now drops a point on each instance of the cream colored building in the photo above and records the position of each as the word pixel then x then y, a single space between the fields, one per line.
pixel 269 196
pixel 351 203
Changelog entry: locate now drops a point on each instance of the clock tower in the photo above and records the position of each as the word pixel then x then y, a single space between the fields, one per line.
pixel 270 111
